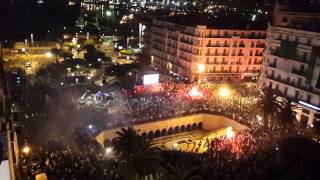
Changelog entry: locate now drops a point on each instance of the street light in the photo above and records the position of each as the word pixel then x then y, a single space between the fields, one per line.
pixel 175 145
pixel 26 150
pixel 108 13
pixel 49 54
pixel 108 150
pixel 224 92
pixel 201 68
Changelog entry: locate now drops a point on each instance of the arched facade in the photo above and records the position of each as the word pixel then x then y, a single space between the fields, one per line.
pixel 158 129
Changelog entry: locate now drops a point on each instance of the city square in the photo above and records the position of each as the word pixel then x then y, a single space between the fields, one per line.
pixel 159 90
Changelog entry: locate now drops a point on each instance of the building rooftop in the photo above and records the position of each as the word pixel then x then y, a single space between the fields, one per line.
pixel 312 25
pixel 217 22
pixel 309 6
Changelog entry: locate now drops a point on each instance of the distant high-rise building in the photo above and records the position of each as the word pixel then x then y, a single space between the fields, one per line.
pixel 292 57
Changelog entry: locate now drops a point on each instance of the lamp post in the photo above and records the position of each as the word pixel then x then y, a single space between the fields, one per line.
pixel 201 69
pixel 225 93
pixel 26 150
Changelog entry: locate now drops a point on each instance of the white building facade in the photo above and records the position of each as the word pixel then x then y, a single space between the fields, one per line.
pixel 292 67
pixel 221 54
pixel 292 59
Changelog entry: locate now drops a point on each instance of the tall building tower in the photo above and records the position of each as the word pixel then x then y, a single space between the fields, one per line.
pixel 292 58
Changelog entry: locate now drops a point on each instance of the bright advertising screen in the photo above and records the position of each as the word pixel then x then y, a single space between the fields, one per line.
pixel 150 79
pixel 4 170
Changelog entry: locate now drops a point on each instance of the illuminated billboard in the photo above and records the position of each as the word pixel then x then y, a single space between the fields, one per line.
pixel 4 170
pixel 150 79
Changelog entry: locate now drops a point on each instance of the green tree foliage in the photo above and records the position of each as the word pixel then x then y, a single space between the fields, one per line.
pixel 137 159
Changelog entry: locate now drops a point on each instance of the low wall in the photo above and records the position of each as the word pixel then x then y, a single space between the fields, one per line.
pixel 207 122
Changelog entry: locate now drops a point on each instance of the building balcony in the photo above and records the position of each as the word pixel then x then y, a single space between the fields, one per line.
pixel 214 45
pixel 242 45
pixel 295 58
pixel 213 54
pixel 240 54
pixel 224 63
pixel 273 65
pixel 226 45
pixel 253 37
pixel 157 41
pixel 298 72
pixel 157 47
pixel 252 71
pixel 185 58
pixel 278 79
pixel 186 41
pixel 172 45
pixel 158 34
pixel 185 50
pixel 259 54
pixel 175 38
pixel 293 84
pixel 260 46
pixel 188 33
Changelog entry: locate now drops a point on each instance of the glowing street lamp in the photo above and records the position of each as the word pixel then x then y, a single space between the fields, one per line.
pixel 108 13
pixel 224 92
pixel 175 145
pixel 201 68
pixel 49 54
pixel 108 150
pixel 26 150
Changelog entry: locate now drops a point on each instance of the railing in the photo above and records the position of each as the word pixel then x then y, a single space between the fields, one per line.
pixel 274 65
pixel 298 72
pixel 260 46
pixel 184 58
pixel 213 54
pixel 296 58
pixel 172 45
pixel 213 45
pixel 186 41
pixel 185 50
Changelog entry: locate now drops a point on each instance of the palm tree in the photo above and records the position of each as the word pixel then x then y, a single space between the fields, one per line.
pixel 126 143
pixel 268 104
pixel 286 115
pixel 137 160
pixel 181 171
pixel 56 52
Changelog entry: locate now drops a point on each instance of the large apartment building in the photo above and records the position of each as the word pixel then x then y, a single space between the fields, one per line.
pixel 206 52
pixel 292 60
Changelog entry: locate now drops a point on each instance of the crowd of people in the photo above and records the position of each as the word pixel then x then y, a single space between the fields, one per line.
pixel 175 100
pixel 84 160
pixel 238 157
